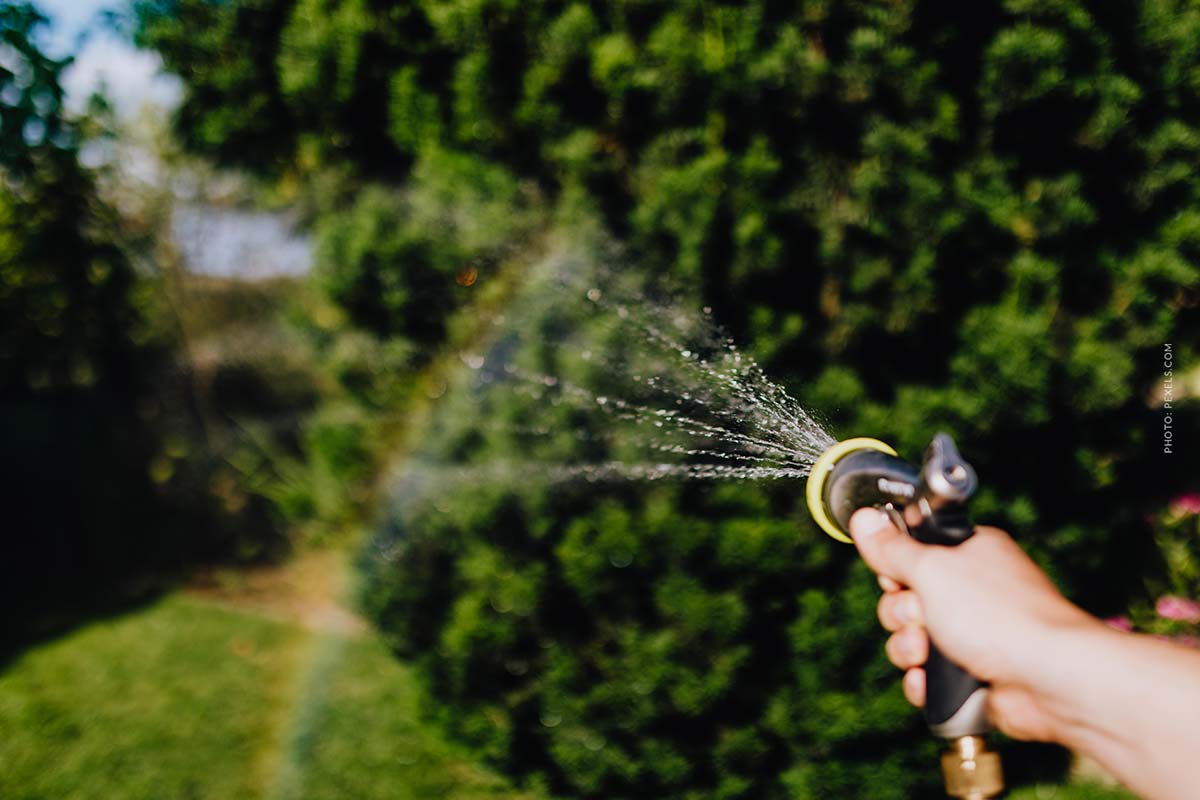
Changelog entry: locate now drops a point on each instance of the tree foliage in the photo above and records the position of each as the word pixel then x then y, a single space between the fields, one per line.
pixel 75 354
pixel 923 215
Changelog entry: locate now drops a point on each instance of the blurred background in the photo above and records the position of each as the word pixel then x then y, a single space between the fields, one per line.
pixel 254 252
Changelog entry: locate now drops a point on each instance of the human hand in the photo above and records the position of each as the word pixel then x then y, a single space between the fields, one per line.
pixel 989 608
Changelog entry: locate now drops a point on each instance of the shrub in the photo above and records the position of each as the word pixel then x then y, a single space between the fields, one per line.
pixel 921 215
pixel 399 262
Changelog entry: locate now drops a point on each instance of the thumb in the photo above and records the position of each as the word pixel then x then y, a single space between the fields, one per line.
pixel 885 549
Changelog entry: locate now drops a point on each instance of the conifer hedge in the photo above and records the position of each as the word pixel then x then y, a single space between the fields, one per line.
pixel 975 217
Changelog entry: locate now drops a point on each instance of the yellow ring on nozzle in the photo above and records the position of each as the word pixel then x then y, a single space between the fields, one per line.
pixel 815 487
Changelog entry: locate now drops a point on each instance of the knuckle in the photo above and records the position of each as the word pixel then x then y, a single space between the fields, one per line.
pixel 908 647
pixel 897 610
pixel 891 647
pixel 883 611
pixel 914 686
pixel 919 644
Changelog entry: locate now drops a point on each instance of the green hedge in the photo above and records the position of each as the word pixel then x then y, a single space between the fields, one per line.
pixel 920 215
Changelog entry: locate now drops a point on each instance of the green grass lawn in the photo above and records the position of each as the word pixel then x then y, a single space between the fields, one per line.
pixel 187 699
pixel 361 738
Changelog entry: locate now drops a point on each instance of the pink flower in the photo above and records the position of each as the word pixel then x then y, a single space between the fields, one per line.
pixel 1178 608
pixel 1186 504
pixel 1120 623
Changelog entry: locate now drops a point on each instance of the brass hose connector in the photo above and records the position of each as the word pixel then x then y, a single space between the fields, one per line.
pixel 972 772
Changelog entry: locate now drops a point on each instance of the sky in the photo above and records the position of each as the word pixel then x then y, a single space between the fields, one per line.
pixel 130 77
pixel 68 18
pixel 212 240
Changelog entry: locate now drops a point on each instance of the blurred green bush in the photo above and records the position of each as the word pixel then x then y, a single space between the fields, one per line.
pixel 76 356
pixel 921 215
pixel 151 420
pixel 273 410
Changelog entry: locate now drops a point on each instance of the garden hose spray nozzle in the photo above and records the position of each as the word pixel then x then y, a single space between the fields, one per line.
pixel 929 502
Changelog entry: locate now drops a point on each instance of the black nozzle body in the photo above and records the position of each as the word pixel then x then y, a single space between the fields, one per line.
pixel 868 478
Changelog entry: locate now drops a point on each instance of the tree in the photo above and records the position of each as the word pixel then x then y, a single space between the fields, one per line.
pixel 76 357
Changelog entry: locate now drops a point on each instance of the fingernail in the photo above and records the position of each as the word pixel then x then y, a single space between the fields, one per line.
pixel 867 523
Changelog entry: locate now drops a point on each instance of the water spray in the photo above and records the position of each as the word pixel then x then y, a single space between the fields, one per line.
pixel 928 502
pixel 685 390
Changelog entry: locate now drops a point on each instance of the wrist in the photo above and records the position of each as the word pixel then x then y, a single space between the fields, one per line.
pixel 1066 682
pixel 1130 703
